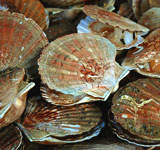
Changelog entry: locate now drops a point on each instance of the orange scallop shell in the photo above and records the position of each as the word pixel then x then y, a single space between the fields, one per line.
pixel 79 64
pixel 147 56
pixel 21 40
pixel 50 124
pixel 31 9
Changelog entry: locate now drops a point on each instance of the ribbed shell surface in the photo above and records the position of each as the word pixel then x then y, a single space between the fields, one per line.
pixel 10 138
pixel 45 122
pixel 136 107
pixel 31 9
pixel 21 40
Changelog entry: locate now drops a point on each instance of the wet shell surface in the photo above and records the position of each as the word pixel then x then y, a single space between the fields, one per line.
pixel 21 40
pixel 146 59
pixel 122 32
pixel 136 108
pixel 10 138
pixel 50 124
pixel 79 64
pixel 13 92
pixel 151 19
pixel 62 2
pixel 31 9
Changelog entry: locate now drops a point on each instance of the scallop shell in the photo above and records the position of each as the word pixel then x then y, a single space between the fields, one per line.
pixel 109 25
pixel 10 138
pixel 79 64
pixel 13 93
pixel 21 40
pixel 146 59
pixel 49 124
pixel 31 9
pixel 151 19
pixel 140 7
pixel 136 107
pixel 154 3
pixel 58 98
pixel 62 2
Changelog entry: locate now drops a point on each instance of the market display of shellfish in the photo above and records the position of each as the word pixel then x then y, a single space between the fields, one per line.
pixel 78 91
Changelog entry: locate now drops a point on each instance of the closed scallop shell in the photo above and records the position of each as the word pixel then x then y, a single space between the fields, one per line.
pixel 10 138
pixel 31 9
pixel 145 60
pixel 62 2
pixel 49 124
pixel 13 92
pixel 151 18
pixel 136 107
pixel 79 64
pixel 21 40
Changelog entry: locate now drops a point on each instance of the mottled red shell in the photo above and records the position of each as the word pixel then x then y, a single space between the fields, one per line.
pixel 136 107
pixel 31 9
pixel 21 40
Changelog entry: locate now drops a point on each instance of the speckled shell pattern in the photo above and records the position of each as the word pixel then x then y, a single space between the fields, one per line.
pixel 73 66
pixel 10 138
pixel 21 40
pixel 31 9
pixel 62 2
pixel 136 107
pixel 52 124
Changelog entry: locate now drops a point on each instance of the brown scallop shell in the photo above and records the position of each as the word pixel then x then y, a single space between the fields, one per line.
pixel 122 32
pixel 154 3
pixel 13 92
pixel 141 59
pixel 49 124
pixel 21 40
pixel 151 19
pixel 136 107
pixel 113 19
pixel 79 64
pixel 31 9
pixel 62 2
pixel 10 138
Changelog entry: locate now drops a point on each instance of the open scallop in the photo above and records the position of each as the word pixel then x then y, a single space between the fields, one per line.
pixel 146 59
pixel 122 32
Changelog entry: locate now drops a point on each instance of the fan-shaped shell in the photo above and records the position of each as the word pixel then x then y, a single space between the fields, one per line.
pixel 151 19
pixel 62 2
pixel 31 9
pixel 51 124
pixel 136 107
pixel 122 32
pixel 13 93
pixel 10 138
pixel 154 3
pixel 146 59
pixel 79 64
pixel 21 40
pixel 59 98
